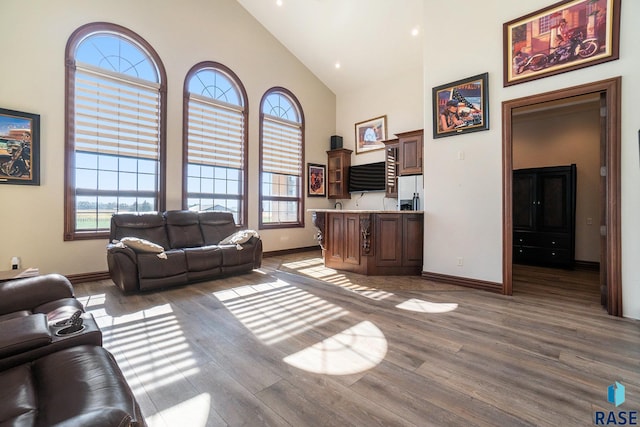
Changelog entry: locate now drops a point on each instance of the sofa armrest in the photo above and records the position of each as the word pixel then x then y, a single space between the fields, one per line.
pixel 22 334
pixel 26 294
pixel 257 254
pixel 103 417
pixel 123 267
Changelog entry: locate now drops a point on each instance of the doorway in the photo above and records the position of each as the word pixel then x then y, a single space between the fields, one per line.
pixel 609 92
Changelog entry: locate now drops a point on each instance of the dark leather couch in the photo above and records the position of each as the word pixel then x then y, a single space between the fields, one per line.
pixel 50 294
pixel 47 379
pixel 78 386
pixel 191 245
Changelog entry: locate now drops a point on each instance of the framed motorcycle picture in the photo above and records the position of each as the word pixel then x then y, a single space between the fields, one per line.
pixel 565 36
pixel 19 148
pixel 461 106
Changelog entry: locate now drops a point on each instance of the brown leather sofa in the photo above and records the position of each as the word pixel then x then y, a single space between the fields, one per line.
pixel 77 386
pixel 190 245
pixel 48 378
pixel 50 294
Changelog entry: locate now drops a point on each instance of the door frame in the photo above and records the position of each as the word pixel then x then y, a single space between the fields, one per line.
pixel 611 90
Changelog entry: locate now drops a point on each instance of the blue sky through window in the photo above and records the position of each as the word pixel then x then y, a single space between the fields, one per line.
pixel 215 85
pixel 116 54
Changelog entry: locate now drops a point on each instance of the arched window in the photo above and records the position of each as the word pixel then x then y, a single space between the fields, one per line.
pixel 215 141
pixel 281 160
pixel 115 128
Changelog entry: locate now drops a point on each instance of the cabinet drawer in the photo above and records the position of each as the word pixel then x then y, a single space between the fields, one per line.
pixel 538 255
pixel 545 240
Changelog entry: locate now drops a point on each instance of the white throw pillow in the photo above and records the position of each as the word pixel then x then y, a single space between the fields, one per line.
pixel 239 237
pixel 142 245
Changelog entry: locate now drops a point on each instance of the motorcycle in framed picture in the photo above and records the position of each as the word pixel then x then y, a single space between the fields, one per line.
pixel 566 36
pixel 19 147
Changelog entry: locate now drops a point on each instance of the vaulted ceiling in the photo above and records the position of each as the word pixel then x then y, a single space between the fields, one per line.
pixel 371 40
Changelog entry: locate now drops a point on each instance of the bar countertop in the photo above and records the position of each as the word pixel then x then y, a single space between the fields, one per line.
pixel 364 211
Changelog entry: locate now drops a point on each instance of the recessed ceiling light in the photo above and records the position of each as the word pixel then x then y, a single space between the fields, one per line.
pixel 337 65
pixel 279 2
pixel 415 31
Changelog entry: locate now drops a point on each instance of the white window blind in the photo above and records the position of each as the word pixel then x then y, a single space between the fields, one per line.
pixel 281 146
pixel 215 133
pixel 116 116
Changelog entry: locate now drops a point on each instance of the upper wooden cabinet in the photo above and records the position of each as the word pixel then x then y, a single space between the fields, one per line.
pixel 338 162
pixel 391 168
pixel 410 152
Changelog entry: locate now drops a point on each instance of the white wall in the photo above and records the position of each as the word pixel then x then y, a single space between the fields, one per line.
pixel 463 197
pixel 33 36
pixel 401 100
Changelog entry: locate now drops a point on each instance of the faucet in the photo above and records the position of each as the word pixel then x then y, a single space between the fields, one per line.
pixel 336 205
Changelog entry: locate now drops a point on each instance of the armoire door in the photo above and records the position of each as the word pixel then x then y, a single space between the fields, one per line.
pixel 553 204
pixel 524 199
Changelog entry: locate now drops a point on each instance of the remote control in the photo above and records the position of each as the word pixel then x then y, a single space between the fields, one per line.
pixel 75 327
pixel 74 318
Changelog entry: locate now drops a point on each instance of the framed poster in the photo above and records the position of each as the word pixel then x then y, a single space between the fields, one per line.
pixel 19 148
pixel 461 106
pixel 316 180
pixel 370 134
pixel 565 36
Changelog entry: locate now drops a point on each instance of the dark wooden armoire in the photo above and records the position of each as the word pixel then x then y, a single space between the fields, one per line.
pixel 544 211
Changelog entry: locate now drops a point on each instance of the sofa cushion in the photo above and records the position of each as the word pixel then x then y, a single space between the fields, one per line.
pixel 22 334
pixel 151 267
pixel 148 226
pixel 183 229
pixel 216 226
pixel 142 245
pixel 231 256
pixel 239 237
pixel 203 258
pixel 79 380
pixel 18 400
pixel 20 313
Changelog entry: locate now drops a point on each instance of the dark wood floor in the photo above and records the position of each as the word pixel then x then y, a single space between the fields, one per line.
pixel 281 347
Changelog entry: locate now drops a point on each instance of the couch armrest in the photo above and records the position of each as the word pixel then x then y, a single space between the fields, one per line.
pixel 104 417
pixel 257 255
pixel 26 294
pixel 23 334
pixel 123 267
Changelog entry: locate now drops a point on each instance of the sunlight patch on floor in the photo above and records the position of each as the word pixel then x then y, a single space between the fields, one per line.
pixel 149 344
pixel 353 350
pixel 278 310
pixel 422 306
pixel 315 268
pixel 193 412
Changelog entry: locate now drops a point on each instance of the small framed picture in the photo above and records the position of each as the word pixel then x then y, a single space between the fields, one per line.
pixel 370 134
pixel 316 180
pixel 461 106
pixel 19 148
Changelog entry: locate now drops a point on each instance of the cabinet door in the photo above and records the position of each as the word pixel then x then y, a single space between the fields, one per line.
pixel 389 240
pixel 553 201
pixel 352 239
pixel 335 237
pixel 338 162
pixel 343 240
pixel 410 153
pixel 524 200
pixel 413 236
